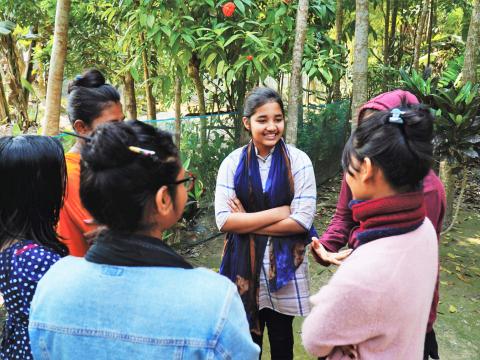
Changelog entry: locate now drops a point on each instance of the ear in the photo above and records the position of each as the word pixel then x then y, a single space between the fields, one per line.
pixel 163 201
pixel 367 170
pixel 81 128
pixel 246 123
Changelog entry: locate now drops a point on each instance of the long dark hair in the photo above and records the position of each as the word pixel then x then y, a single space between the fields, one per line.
pixel 88 96
pixel 32 187
pixel 116 184
pixel 402 149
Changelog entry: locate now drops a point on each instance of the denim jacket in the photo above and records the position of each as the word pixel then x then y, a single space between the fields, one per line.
pixel 83 310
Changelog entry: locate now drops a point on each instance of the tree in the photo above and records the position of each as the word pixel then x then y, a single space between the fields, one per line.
pixel 4 111
pixel 420 32
pixel 14 65
pixel 360 60
pixel 55 74
pixel 151 108
pixel 194 72
pixel 178 108
pixel 295 111
pixel 338 39
pixel 129 98
pixel 469 71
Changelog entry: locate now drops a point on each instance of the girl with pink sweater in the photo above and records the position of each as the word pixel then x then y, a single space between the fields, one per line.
pixel 377 304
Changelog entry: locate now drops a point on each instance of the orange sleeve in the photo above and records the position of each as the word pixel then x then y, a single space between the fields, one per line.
pixel 72 226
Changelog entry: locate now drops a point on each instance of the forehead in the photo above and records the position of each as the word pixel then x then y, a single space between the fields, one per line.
pixel 111 112
pixel 270 108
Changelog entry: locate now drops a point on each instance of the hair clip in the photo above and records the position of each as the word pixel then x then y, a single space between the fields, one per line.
pixel 78 77
pixel 86 138
pixel 396 116
pixel 144 152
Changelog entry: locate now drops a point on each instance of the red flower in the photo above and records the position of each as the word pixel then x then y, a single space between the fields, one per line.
pixel 249 57
pixel 228 9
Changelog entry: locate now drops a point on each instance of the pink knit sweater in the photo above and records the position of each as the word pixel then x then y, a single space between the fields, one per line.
pixel 379 299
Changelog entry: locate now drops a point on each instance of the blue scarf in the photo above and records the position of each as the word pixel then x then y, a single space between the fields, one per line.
pixel 243 253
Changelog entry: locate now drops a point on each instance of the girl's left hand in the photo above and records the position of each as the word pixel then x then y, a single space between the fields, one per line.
pixel 236 206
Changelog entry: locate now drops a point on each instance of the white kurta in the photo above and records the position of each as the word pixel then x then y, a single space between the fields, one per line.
pixel 292 299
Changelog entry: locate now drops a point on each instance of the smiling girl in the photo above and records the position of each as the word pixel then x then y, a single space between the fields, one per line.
pixel 265 201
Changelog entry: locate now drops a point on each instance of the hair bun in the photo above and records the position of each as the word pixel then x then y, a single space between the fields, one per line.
pixel 90 79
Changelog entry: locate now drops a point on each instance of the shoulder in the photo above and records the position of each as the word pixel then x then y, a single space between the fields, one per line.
pixel 298 157
pixel 232 160
pixel 433 184
pixel 209 278
pixel 35 252
pixel 234 156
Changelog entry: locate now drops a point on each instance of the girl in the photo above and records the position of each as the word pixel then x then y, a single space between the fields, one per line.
pixel 378 301
pixel 265 201
pixel 340 229
pixel 31 192
pixel 134 297
pixel 91 102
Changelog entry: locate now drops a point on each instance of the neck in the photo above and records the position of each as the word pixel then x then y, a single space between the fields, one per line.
pixel 156 233
pixel 381 189
pixel 263 151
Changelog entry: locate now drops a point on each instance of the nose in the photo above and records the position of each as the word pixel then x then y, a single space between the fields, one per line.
pixel 271 126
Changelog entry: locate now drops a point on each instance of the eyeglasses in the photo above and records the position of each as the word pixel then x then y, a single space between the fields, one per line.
pixel 188 182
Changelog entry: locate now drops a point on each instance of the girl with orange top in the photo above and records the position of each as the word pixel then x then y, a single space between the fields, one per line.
pixel 91 102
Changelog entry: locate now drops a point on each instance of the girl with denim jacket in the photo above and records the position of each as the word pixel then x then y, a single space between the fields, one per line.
pixel 265 201
pixel 133 296
pixel 32 185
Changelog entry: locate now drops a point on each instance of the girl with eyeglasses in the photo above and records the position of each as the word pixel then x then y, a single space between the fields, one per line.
pixel 134 297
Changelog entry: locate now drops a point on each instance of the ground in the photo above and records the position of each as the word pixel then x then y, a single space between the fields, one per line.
pixel 458 322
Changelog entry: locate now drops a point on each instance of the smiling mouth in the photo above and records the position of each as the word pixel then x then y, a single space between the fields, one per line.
pixel 270 136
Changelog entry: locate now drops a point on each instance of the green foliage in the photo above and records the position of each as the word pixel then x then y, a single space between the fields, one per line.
pixel 216 149
pixel 456 105
pixel 322 136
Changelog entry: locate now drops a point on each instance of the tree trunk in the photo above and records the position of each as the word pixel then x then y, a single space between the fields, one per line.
pixel 240 132
pixel 469 71
pixel 393 28
pixel 4 113
pixel 420 31
pixel 129 96
pixel 430 31
pixel 42 86
pixel 16 96
pixel 337 95
pixel 55 74
pixel 295 110
pixel 151 111
pixel 386 45
pixel 360 60
pixel 194 71
pixel 448 180
pixel 178 109
pixel 29 65
pixel 459 201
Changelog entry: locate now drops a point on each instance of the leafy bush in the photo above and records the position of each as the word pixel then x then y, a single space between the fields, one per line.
pixel 323 135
